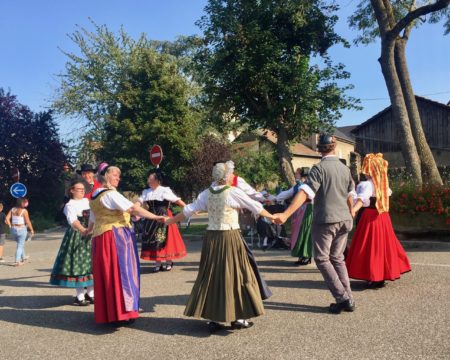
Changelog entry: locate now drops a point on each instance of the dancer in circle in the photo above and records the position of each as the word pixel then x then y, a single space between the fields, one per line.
pixel 301 239
pixel 87 172
pixel 114 250
pixel 375 254
pixel 159 241
pixel 228 287
pixel 329 184
pixel 73 264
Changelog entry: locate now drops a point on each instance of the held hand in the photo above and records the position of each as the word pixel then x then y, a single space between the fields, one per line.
pixel 353 212
pixel 169 220
pixel 279 218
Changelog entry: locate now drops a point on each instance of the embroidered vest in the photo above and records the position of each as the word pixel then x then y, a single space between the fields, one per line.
pixel 105 219
pixel 221 216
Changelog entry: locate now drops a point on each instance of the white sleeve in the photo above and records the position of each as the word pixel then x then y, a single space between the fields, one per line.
pixel 71 213
pixel 245 202
pixel 143 196
pixel 364 191
pixel 246 188
pixel 91 217
pixel 287 194
pixel 308 190
pixel 170 196
pixel 201 204
pixel 389 192
pixel 113 200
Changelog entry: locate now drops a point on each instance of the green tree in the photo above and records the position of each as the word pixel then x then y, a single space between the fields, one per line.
pixel 134 96
pixel 393 21
pixel 258 167
pixel 30 143
pixel 256 64
pixel 212 148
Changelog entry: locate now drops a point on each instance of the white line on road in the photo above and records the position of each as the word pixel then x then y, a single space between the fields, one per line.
pixel 420 264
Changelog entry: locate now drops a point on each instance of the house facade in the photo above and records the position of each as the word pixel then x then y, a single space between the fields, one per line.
pixel 381 133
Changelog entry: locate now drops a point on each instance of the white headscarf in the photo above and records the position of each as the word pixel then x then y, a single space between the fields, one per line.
pixel 230 165
pixel 220 172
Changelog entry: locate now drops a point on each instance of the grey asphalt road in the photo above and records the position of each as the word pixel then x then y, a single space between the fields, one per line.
pixel 408 319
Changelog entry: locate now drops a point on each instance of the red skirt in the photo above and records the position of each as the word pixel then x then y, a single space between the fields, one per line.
pixel 174 247
pixel 109 305
pixel 375 253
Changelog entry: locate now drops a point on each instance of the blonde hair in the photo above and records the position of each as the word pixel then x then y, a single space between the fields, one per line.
pixel 103 176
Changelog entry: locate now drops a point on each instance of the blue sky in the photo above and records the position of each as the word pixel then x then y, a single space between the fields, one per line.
pixel 32 31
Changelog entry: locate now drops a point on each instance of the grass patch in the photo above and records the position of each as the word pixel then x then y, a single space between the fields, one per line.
pixel 42 222
pixel 194 229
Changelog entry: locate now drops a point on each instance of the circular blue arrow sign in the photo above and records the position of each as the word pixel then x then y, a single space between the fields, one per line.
pixel 18 190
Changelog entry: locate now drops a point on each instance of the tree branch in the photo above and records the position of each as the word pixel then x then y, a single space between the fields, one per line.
pixel 413 15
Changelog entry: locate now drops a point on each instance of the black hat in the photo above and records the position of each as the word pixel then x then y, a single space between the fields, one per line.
pixel 326 139
pixel 86 167
pixel 304 171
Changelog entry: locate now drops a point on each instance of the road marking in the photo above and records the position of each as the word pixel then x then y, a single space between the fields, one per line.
pixel 420 264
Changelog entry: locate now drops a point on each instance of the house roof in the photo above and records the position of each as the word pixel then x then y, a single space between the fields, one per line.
pixel 339 134
pixel 382 112
pixel 296 149
pixel 346 130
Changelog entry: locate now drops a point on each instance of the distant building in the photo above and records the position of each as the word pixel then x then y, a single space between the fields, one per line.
pixel 304 153
pixel 381 133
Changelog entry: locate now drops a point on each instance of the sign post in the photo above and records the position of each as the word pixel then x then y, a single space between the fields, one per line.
pixel 156 155
pixel 18 190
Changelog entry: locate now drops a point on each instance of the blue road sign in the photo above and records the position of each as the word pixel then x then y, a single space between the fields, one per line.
pixel 18 190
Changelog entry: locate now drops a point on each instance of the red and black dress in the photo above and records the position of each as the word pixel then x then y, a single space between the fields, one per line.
pixel 160 242
pixel 375 253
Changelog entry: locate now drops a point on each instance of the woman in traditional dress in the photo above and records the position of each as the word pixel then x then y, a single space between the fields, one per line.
pixel 301 240
pixel 73 265
pixel 160 242
pixel 114 251
pixel 375 254
pixel 228 286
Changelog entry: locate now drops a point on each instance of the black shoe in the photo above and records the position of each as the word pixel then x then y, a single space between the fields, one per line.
pixel 168 267
pixel 347 305
pixel 89 299
pixel 214 326
pixel 157 269
pixel 238 325
pixel 80 302
pixel 303 261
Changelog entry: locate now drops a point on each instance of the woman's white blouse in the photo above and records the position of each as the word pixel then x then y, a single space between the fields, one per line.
pixel 284 195
pixel 112 200
pixel 364 191
pixel 161 193
pixel 236 199
pixel 74 208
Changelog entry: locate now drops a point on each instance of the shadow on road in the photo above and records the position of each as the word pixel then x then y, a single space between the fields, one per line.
pixel 298 284
pixel 295 307
pixel 74 321
pixel 25 281
pixel 35 301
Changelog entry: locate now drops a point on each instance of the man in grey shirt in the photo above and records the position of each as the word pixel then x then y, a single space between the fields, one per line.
pixel 329 184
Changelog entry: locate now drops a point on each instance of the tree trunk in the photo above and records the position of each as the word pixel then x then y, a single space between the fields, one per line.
pixel 430 171
pixel 284 157
pixel 399 112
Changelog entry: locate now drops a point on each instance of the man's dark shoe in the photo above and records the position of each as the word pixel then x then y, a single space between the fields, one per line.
pixel 214 326
pixel 80 302
pixel 347 305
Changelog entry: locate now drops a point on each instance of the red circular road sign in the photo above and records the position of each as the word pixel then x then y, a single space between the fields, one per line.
pixel 156 155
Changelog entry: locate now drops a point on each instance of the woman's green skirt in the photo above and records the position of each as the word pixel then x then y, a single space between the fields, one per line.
pixel 303 246
pixel 73 264
pixel 226 288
